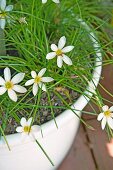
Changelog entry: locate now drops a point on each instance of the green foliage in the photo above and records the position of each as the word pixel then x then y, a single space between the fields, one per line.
pixel 29 43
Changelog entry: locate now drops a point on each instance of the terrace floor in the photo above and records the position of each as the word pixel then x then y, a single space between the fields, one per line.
pixel 89 150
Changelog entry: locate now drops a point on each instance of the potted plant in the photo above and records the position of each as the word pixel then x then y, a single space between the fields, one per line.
pixel 45 82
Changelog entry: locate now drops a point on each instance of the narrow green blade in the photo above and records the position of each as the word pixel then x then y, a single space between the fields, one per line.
pixel 2 43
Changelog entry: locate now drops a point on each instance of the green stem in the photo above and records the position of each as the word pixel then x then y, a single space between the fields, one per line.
pixel 45 153
pixel 5 138
pixel 2 43
pixel 52 112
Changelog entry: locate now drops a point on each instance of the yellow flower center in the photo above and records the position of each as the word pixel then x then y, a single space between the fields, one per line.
pixel 37 79
pixel 3 15
pixel 107 113
pixel 27 129
pixel 59 52
pixel 9 85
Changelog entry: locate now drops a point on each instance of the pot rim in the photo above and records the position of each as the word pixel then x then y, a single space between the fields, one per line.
pixel 82 101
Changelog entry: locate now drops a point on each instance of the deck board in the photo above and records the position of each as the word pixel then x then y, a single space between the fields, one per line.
pixel 98 139
pixel 80 157
pixel 91 153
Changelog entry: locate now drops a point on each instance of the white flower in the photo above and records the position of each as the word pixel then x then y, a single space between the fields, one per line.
pixel 56 1
pixel 11 85
pixel 22 20
pixel 60 52
pixel 26 129
pixel 3 12
pixel 106 116
pixel 38 80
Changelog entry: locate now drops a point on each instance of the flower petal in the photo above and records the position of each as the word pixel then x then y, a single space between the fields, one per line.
pixel 105 108
pixel 44 1
pixel 67 60
pixel 19 129
pixel 33 74
pixel 19 89
pixel 29 121
pixel 59 61
pixel 42 86
pixel 56 1
pixel 12 95
pixel 41 73
pixel 23 121
pixel 100 116
pixel 2 23
pixel 24 137
pixel 47 79
pixel 67 49
pixel 29 82
pixel 18 78
pixel 103 124
pixel 62 42
pixel 110 122
pixel 7 74
pixel 2 4
pixel 32 136
pixel 2 81
pixel 9 8
pixel 2 90
pixel 35 89
pixel 50 55
pixel 111 108
pixel 54 47
pixel 35 128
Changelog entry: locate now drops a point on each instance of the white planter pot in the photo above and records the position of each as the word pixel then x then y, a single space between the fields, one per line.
pixel 56 142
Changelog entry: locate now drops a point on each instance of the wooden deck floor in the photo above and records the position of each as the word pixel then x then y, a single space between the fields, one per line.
pixel 89 150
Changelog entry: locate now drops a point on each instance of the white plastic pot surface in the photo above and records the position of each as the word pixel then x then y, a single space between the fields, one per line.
pixel 56 142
